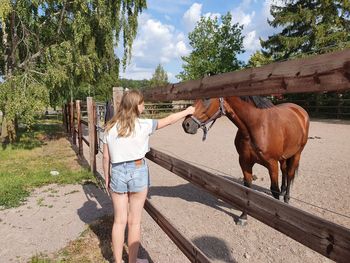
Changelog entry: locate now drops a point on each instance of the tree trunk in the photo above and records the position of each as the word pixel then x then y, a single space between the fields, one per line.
pixel 11 125
pixel 4 133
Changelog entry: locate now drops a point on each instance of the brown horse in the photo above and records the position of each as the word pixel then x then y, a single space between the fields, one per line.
pixel 266 135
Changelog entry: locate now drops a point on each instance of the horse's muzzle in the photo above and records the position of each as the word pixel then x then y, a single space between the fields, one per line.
pixel 190 126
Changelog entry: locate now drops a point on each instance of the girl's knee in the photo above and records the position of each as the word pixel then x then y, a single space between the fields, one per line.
pixel 134 221
pixel 120 220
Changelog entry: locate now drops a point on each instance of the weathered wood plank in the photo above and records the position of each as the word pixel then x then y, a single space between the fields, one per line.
pixel 84 122
pixel 92 134
pixel 80 132
pixel 327 72
pixel 185 245
pixel 324 237
pixel 85 140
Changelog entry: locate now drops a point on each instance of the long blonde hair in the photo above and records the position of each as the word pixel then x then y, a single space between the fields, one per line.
pixel 127 113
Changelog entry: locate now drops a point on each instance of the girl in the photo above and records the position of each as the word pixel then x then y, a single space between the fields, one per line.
pixel 125 145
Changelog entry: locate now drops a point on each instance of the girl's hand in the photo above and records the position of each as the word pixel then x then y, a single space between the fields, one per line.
pixel 107 183
pixel 190 110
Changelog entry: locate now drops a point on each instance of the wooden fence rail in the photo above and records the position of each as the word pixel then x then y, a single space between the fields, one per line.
pixel 327 72
pixel 184 244
pixel 327 238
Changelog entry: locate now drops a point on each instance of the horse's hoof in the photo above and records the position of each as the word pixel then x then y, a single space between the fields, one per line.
pixel 286 200
pixel 241 222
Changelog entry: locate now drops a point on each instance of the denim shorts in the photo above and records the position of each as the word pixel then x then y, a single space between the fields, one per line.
pixel 131 176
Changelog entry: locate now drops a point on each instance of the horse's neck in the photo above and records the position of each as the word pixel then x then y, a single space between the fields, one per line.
pixel 242 114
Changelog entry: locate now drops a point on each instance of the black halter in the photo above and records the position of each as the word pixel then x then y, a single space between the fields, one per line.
pixel 220 112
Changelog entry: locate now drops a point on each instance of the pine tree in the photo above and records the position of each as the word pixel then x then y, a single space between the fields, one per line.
pixel 308 27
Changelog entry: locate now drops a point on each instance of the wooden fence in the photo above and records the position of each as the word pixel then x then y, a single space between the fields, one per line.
pixel 329 72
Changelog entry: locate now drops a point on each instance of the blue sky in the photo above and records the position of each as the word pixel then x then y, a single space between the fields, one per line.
pixel 164 27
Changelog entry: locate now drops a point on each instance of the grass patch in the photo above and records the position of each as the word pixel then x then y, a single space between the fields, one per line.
pixel 27 163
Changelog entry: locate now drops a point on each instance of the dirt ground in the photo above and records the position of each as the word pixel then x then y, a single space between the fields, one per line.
pixel 320 188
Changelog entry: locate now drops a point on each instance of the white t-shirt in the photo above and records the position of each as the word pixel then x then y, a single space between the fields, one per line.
pixel 133 147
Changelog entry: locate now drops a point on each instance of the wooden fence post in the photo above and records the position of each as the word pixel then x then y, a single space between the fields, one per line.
pixel 68 119
pixel 117 97
pixel 80 133
pixel 92 128
pixel 339 106
pixel 66 115
pixel 72 122
pixel 95 128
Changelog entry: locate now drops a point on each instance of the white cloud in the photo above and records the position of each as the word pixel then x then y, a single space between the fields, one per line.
pixel 251 41
pixel 155 43
pixel 135 72
pixel 267 6
pixel 192 16
pixel 254 23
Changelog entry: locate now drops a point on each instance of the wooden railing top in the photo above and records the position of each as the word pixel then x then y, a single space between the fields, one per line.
pixel 327 72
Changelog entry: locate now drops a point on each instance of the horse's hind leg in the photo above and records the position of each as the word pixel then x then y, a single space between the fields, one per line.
pixel 273 171
pixel 283 166
pixel 292 166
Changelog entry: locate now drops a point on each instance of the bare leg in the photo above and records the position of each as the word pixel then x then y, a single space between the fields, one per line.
pixel 136 202
pixel 120 206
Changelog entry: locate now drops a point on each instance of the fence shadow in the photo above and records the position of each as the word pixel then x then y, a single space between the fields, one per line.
pixel 215 248
pixel 191 194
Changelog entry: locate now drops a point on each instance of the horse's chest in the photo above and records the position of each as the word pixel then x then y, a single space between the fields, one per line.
pixel 246 148
pixel 255 151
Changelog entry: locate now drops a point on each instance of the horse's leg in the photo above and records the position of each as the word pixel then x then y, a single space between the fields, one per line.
pixel 273 171
pixel 247 170
pixel 283 165
pixel 292 166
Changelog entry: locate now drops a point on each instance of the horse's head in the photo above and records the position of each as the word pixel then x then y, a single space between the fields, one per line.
pixel 206 111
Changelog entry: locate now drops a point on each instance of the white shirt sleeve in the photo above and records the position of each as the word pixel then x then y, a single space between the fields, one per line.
pixel 154 125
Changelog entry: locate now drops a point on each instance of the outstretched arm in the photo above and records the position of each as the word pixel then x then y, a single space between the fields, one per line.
pixel 172 118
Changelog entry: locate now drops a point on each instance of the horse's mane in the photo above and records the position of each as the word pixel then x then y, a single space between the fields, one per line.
pixel 258 101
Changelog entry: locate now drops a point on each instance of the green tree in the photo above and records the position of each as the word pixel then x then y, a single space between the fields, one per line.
pixel 258 59
pixel 57 50
pixel 159 78
pixel 215 48
pixel 308 26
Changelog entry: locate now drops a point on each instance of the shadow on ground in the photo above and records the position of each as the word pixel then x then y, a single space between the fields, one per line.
pixel 191 194
pixel 215 248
